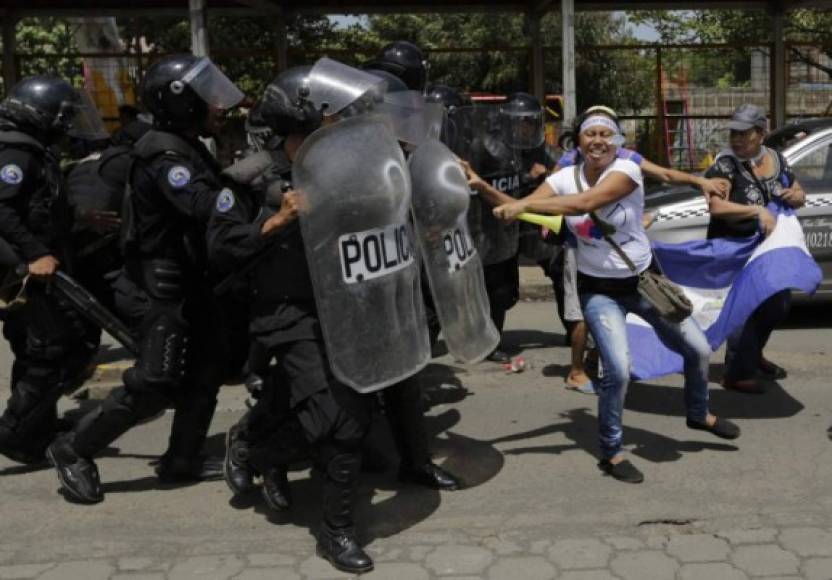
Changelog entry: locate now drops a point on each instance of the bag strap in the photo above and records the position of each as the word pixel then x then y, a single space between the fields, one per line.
pixel 603 226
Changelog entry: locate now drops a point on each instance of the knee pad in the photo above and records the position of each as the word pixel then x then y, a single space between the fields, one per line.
pixel 164 347
pixel 163 279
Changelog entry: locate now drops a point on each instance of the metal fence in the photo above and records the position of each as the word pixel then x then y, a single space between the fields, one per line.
pixel 673 99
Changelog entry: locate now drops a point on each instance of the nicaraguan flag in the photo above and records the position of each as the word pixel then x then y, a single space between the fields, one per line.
pixel 725 279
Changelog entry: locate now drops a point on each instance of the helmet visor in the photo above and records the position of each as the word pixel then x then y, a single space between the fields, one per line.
pixel 337 88
pixel 522 130
pixel 211 84
pixel 408 114
pixel 84 119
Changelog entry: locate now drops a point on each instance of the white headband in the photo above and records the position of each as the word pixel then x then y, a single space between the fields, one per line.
pixel 600 120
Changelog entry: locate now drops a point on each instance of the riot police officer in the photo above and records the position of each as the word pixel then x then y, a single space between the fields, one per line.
pixel 503 134
pixel 303 407
pixel 173 184
pixel 404 60
pixel 35 221
pixel 403 402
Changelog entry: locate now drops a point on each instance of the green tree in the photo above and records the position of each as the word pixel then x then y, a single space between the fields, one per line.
pixel 745 28
pixel 46 45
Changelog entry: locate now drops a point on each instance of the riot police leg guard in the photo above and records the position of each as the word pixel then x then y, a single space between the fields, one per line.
pixel 403 405
pixel 237 468
pixel 44 370
pixel 336 539
pixel 183 460
pixel 502 282
pixel 147 390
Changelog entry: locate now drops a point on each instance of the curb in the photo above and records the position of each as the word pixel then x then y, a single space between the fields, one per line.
pixel 537 292
pixel 104 379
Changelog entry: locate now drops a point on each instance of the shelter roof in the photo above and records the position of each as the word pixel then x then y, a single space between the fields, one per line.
pixel 115 7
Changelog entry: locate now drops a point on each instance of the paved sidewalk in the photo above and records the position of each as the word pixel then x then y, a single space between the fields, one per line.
pixel 778 546
pixel 535 504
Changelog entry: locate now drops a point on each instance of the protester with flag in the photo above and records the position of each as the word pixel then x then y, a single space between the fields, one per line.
pixel 757 176
pixel 604 199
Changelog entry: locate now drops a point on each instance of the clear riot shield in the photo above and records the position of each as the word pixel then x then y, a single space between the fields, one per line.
pixel 356 202
pixel 484 146
pixel 339 89
pixel 440 204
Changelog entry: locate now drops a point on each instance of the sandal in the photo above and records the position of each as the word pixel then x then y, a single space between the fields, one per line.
pixel 588 388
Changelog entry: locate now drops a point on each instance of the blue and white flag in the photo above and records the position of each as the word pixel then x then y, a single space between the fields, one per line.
pixel 725 279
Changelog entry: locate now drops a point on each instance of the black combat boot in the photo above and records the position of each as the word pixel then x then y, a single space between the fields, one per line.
pixel 276 492
pixel 78 475
pixel 183 461
pixel 336 538
pixel 12 447
pixel 238 474
pixel 172 469
pixel 430 475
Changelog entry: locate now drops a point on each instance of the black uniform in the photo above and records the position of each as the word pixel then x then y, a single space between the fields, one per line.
pixel 97 183
pixel 35 221
pixel 499 242
pixel 305 404
pixel 173 182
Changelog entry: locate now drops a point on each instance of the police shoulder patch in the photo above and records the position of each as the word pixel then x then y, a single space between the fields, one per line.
pixel 179 176
pixel 11 174
pixel 225 200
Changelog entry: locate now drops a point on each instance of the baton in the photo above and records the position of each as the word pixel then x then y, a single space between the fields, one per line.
pixel 553 222
pixel 87 306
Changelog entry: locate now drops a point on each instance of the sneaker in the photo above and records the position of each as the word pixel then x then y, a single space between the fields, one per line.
pixel 78 476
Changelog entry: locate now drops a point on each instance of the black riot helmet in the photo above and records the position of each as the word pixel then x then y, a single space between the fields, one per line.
pixel 284 107
pixel 447 96
pixel 521 121
pixel 180 91
pixel 394 83
pixel 404 60
pixel 44 105
pixel 457 129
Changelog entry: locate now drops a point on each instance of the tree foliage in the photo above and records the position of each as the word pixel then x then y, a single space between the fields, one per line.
pixel 744 28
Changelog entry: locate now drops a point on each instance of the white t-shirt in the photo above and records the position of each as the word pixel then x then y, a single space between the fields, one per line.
pixel 596 257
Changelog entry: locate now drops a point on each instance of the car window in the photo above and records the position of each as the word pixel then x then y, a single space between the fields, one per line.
pixel 814 170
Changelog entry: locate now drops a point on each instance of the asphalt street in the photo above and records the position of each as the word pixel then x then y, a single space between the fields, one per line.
pixel 535 504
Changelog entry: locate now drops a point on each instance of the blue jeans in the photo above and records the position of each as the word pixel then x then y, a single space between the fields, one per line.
pixel 605 316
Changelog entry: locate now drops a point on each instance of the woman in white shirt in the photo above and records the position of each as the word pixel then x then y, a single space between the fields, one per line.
pixel 612 190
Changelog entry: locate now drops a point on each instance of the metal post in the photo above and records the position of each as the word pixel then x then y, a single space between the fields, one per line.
pixel 282 42
pixel 9 48
pixel 199 31
pixel 778 68
pixel 661 145
pixel 538 72
pixel 567 11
